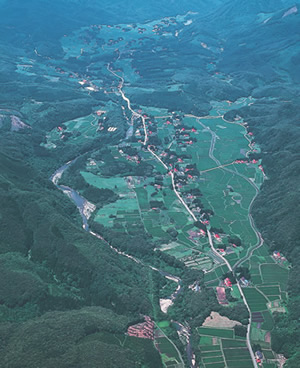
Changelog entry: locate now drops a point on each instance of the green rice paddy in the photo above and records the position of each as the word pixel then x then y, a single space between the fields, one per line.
pixel 218 332
pixel 167 348
pixel 274 274
pixel 117 184
pixel 256 300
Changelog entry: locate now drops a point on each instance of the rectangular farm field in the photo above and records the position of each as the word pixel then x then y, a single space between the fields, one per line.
pixel 180 218
pixel 221 270
pixel 211 354
pixel 233 344
pixel 262 251
pixel 209 347
pixel 272 273
pixel 219 332
pixel 257 302
pixel 237 354
pixel 215 365
pixel 214 283
pixel 213 360
pixel 186 241
pixel 268 354
pixel 270 290
pixel 256 279
pixel 142 196
pixel 158 232
pixel 167 348
pixel 273 297
pixel 210 276
pixel 207 340
pixel 268 321
pixel 239 363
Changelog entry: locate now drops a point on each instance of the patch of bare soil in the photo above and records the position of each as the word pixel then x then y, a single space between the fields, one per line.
pixel 215 320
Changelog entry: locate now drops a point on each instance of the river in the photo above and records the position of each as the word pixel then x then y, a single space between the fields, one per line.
pixel 80 202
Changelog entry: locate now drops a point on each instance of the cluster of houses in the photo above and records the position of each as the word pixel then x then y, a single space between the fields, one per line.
pixel 144 330
pixel 158 28
pixel 183 135
pixel 246 161
pixel 131 158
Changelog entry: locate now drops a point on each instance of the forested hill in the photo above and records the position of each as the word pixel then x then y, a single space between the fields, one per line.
pixel 48 263
pixel 55 274
pixel 263 60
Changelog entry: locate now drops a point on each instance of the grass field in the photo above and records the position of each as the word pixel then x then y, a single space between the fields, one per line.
pixel 163 324
pixel 180 218
pixel 115 183
pixel 104 213
pixel 268 354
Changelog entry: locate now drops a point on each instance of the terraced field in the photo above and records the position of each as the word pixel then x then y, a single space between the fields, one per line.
pixel 220 348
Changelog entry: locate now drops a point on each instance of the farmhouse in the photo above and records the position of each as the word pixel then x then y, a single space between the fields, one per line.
pixel 222 252
pixel 276 254
pixel 217 237
pixel 202 232
pixel 259 357
pixel 227 282
pixel 244 282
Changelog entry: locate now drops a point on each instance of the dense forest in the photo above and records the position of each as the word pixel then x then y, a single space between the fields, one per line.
pixel 275 124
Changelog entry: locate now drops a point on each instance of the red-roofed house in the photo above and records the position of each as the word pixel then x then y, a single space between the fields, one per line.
pixel 217 237
pixel 227 282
